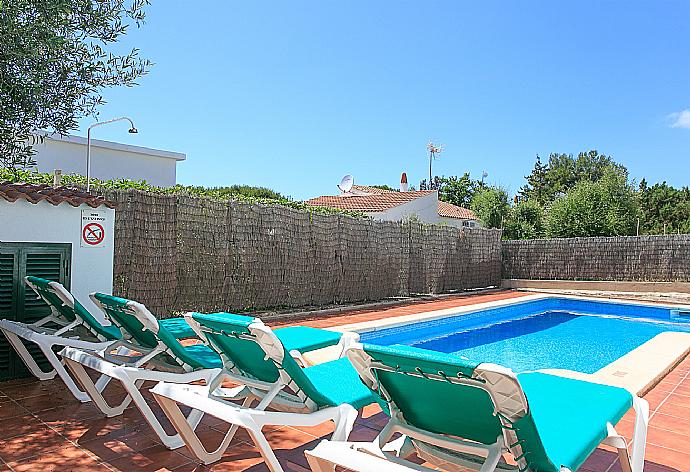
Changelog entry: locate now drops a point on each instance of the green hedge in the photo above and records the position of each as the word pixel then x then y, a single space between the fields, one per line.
pixel 215 193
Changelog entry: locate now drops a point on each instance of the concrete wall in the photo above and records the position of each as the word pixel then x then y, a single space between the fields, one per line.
pixel 91 268
pixel 108 160
pixel 424 208
pixel 458 223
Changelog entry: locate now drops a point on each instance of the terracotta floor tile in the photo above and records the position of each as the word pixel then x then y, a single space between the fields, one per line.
pixel 86 430
pixel 156 458
pixel 667 457
pixel 47 401
pixel 109 447
pixel 669 439
pixel 80 411
pixel 680 410
pixel 19 425
pixel 240 458
pixel 68 458
pixel 11 409
pixel 38 442
pixel 671 423
pixel 600 460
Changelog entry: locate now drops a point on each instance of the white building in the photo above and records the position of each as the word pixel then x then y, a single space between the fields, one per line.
pixel 391 205
pixel 109 160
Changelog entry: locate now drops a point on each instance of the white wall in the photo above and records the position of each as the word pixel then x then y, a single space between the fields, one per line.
pixel 91 268
pixel 424 208
pixel 458 222
pixel 108 160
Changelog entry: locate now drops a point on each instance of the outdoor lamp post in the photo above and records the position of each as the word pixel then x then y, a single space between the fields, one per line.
pixel 132 130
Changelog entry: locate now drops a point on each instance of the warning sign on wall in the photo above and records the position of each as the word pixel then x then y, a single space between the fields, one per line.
pixel 93 228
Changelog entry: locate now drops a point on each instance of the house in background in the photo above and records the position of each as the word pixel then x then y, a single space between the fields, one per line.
pixel 391 205
pixel 109 160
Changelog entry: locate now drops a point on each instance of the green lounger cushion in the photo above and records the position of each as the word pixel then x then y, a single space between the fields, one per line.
pixel 328 384
pixel 425 404
pixel 305 338
pixel 205 357
pixel 570 418
pixel 178 327
pixel 338 382
pixel 109 333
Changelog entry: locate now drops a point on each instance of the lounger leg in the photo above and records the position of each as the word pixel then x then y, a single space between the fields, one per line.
pixel 189 436
pixel 493 457
pixel 265 448
pixel 59 368
pixel 346 421
pixel 639 434
pixel 169 441
pixel 94 391
pixel 25 356
pixel 319 464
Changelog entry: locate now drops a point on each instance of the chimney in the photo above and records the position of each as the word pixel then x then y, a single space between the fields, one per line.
pixel 403 182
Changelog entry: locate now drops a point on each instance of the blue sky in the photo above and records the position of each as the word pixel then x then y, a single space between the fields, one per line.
pixel 293 95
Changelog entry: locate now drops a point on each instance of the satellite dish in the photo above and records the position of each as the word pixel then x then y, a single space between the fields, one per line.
pixel 346 183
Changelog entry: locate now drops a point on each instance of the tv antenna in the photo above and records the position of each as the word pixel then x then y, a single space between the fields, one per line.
pixel 346 183
pixel 434 151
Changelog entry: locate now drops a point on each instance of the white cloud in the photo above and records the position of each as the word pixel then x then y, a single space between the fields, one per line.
pixel 680 119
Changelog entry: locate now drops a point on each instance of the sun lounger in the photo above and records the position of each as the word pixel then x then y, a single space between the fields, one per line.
pixel 155 353
pixel 451 411
pixel 69 324
pixel 255 357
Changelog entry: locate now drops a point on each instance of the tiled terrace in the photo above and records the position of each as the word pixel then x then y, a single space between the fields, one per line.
pixel 43 428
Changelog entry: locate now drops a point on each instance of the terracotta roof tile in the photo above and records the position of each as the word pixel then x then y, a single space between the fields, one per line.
pixel 453 211
pixel 35 193
pixel 374 203
pixel 380 200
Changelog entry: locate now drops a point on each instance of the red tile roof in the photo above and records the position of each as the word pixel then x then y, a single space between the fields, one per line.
pixel 35 193
pixel 381 200
pixel 374 203
pixel 453 211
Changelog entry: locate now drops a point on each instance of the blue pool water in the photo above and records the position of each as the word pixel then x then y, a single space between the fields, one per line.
pixel 554 333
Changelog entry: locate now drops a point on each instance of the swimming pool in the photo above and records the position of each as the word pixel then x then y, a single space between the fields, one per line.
pixel 553 333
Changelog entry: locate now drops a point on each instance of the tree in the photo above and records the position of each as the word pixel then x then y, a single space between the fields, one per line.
pixel 56 57
pixel 607 207
pixel 564 172
pixel 434 184
pixel 248 191
pixel 491 206
pixel 664 207
pixel 525 221
pixel 385 187
pixel 456 190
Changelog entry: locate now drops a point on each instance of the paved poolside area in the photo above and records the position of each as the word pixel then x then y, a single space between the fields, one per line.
pixel 42 427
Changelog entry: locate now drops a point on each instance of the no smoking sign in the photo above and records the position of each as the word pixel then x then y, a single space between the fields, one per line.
pixel 93 228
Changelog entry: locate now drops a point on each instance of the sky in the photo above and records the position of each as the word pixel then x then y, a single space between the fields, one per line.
pixel 294 95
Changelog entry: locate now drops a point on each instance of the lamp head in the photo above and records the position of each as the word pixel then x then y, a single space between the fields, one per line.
pixel 133 130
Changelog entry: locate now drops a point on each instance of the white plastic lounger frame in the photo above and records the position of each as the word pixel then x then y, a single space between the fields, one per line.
pixel 131 373
pixel 509 400
pixel 294 409
pixel 46 338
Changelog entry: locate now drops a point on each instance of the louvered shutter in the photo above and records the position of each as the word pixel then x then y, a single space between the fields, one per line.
pixel 8 298
pixel 49 261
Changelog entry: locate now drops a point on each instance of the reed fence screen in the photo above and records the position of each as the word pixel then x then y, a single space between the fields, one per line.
pixel 625 258
pixel 179 253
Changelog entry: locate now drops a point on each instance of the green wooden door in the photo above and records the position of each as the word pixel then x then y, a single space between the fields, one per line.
pixel 18 302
